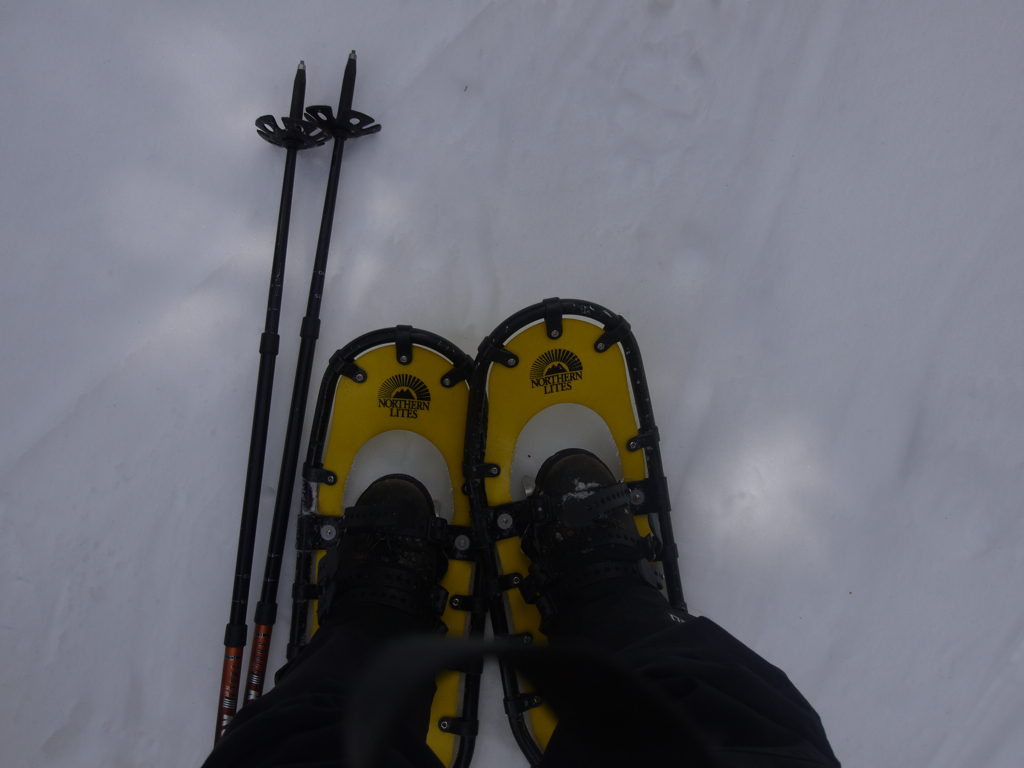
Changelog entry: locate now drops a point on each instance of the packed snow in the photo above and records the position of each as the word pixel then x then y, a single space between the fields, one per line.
pixel 812 214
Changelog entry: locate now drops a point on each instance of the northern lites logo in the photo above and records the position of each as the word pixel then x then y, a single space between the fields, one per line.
pixel 555 371
pixel 404 395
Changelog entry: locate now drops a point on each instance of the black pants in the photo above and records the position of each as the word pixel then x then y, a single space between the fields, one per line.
pixel 745 708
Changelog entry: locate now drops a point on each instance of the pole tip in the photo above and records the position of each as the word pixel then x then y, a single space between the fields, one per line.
pixel 302 65
pixel 352 55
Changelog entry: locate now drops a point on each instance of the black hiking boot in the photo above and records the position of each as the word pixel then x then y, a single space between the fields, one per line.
pixel 386 559
pixel 588 551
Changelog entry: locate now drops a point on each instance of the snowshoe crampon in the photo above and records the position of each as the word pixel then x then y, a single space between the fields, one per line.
pixel 411 381
pixel 561 353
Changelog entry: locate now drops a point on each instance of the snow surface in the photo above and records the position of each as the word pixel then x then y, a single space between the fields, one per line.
pixel 811 214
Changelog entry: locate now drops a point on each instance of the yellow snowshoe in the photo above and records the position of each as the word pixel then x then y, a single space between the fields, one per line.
pixel 566 359
pixel 377 390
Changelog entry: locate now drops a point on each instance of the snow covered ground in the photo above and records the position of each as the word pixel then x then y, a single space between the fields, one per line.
pixel 811 214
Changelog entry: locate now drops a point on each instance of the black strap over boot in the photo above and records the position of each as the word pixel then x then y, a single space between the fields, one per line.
pixel 389 553
pixel 589 535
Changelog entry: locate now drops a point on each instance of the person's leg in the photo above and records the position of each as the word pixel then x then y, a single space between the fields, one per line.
pixel 378 584
pixel 299 722
pixel 748 710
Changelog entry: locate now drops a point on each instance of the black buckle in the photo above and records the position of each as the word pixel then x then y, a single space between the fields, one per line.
pixel 460 726
pixel 505 520
pixel 479 471
pixel 345 367
pixel 317 474
pixel 490 352
pixel 437 531
pixel 533 592
pixel 468 603
pixel 646 439
pixel 614 332
pixel 457 374
pixel 403 344
pixel 553 317
pixel 651 547
pixel 516 705
pixel 438 600
pixel 648 496
pixel 505 583
pixel 316 531
pixel 530 587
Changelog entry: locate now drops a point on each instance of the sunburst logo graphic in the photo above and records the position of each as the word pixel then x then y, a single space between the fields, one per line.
pixel 404 396
pixel 555 371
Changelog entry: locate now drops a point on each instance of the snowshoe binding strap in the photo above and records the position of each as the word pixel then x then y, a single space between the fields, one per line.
pixel 396 517
pixel 579 513
pixel 380 584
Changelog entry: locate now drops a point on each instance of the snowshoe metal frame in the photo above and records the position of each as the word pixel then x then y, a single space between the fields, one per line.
pixel 596 363
pixel 395 379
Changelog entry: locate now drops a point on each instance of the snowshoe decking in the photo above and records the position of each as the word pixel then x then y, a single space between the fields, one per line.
pixel 557 351
pixel 394 379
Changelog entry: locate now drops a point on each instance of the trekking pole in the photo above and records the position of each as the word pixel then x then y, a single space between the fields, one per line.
pixel 297 134
pixel 348 124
